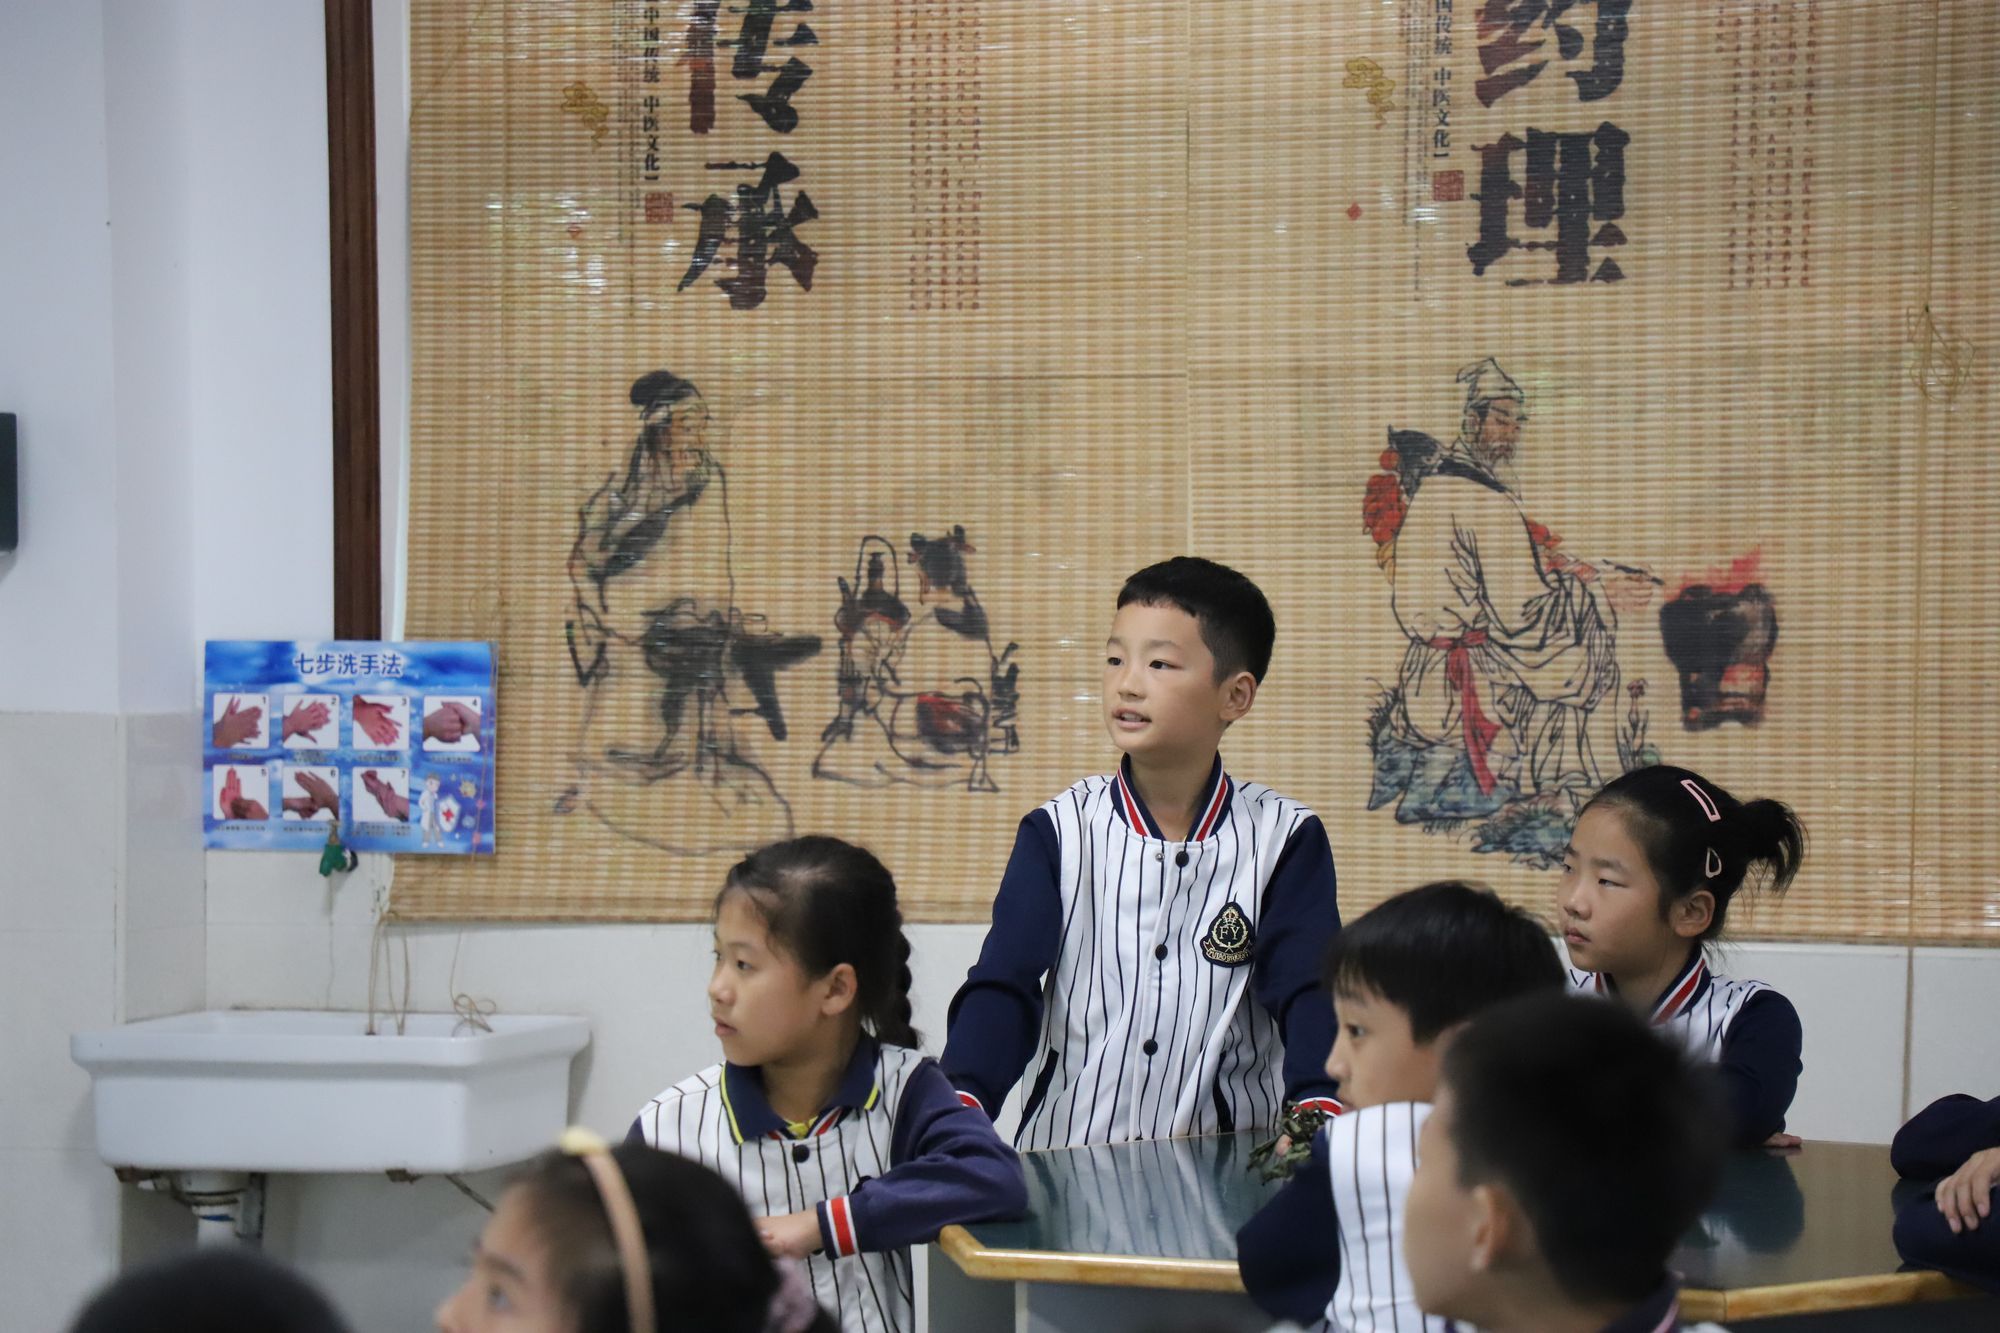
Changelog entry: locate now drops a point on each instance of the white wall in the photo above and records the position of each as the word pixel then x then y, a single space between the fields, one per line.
pixel 58 608
pixel 163 272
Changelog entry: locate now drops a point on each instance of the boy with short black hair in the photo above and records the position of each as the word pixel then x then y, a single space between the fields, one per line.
pixel 1569 1152
pixel 1157 932
pixel 1404 978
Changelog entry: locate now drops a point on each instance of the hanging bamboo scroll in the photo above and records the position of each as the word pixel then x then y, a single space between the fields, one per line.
pixel 1585 384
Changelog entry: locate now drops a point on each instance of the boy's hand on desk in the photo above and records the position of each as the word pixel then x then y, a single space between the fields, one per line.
pixel 792 1236
pixel 1965 1197
pixel 1783 1140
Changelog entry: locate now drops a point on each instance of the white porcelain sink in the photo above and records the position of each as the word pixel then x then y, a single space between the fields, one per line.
pixel 303 1090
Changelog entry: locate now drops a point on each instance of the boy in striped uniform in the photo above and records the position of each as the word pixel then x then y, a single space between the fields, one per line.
pixel 1568 1152
pixel 847 1142
pixel 1405 977
pixel 1154 952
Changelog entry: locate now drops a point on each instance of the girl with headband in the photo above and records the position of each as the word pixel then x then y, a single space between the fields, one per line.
pixel 591 1239
pixel 1647 878
pixel 846 1140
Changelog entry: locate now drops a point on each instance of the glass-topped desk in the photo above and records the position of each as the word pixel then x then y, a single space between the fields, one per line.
pixel 1152 1227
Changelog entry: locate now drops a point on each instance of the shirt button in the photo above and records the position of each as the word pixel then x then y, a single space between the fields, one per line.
pixel 1180 857
pixel 1150 1047
pixel 801 1153
pixel 1159 951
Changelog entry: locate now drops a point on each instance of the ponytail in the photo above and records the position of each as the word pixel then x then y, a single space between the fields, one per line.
pixel 1697 836
pixel 828 902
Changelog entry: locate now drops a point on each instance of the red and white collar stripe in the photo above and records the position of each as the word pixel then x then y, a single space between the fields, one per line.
pixel 1216 805
pixel 1678 997
pixel 1135 814
pixel 1129 803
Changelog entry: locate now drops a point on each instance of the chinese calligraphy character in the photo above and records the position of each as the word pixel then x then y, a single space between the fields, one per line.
pixel 1504 40
pixel 699 57
pixel 1565 185
pixel 765 232
pixel 774 104
pixel 392 664
pixel 302 664
pixel 348 664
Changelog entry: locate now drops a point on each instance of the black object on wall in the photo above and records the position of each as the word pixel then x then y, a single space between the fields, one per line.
pixel 10 486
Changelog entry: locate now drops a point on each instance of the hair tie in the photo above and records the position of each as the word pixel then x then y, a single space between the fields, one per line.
pixel 616 1195
pixel 793 1307
pixel 1712 864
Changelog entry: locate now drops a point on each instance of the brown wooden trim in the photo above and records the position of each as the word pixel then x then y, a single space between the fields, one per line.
pixel 1130 1270
pixel 357 389
pixel 1087 1270
pixel 1845 1293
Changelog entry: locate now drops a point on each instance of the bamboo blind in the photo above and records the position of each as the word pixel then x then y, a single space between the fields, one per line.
pixel 1105 282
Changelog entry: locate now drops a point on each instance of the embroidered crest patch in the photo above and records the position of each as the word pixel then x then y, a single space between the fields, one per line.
pixel 1228 939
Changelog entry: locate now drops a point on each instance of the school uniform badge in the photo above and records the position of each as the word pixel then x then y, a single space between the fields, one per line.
pixel 1228 939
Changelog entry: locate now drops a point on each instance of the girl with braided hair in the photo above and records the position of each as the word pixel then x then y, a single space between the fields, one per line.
pixel 845 1140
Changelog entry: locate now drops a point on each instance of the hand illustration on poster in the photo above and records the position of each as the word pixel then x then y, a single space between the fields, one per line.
pixel 382 795
pixel 239 722
pixel 312 721
pixel 451 722
pixel 312 793
pixel 383 720
pixel 242 792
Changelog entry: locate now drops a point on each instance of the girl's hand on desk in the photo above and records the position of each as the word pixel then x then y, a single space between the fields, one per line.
pixel 792 1236
pixel 1965 1197
pixel 1783 1140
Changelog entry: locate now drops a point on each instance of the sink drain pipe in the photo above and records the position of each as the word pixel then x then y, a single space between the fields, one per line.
pixel 228 1206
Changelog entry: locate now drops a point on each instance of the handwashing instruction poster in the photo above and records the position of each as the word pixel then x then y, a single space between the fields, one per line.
pixel 392 742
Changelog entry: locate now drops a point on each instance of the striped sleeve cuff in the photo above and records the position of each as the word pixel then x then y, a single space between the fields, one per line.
pixel 1326 1104
pixel 836 1228
pixel 967 1099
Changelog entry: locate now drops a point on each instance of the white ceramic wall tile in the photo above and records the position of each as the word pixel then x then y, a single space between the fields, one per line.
pixel 385 1253
pixel 1955 1025
pixel 290 966
pixel 59 790
pixel 58 1235
pixel 277 888
pixel 164 867
pixel 165 971
pixel 52 983
pixel 1850 1001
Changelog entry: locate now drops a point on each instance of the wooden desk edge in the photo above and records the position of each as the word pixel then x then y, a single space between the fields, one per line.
pixel 1220 1275
pixel 1843 1293
pixel 1087 1270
